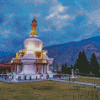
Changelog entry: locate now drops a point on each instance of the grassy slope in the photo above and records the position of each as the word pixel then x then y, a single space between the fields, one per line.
pixel 44 90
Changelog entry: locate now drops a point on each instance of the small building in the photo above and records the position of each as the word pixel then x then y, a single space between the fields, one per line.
pixel 6 67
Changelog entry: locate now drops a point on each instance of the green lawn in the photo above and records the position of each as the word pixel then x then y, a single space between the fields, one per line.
pixel 44 90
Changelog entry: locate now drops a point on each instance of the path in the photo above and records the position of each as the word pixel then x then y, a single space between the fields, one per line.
pixel 83 83
pixel 52 79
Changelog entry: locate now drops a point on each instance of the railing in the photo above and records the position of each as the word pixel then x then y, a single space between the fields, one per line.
pixel 41 61
pixel 21 78
pixel 16 60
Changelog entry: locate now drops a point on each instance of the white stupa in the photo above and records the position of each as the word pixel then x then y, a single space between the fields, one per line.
pixel 32 62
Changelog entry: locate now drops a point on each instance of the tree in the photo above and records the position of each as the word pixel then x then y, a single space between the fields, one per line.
pixel 94 66
pixel 62 68
pixel 78 61
pixel 71 66
pixel 85 64
pixel 82 63
pixel 65 68
pixel 56 66
pixel 69 69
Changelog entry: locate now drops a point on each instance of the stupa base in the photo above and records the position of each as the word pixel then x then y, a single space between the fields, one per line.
pixel 27 76
pixel 33 76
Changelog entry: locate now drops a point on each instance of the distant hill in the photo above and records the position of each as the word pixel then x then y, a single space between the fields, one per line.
pixel 68 52
pixel 7 59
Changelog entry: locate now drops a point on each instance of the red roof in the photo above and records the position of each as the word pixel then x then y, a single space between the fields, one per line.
pixel 6 65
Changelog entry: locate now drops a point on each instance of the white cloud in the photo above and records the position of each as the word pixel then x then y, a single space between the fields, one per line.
pixel 57 13
pixel 10 15
pixel 32 15
pixel 5 33
pixel 3 45
pixel 60 8
pixel 46 29
pixel 88 34
pixel 51 15
pixel 95 17
pixel 63 16
pixel 60 24
pixel 56 10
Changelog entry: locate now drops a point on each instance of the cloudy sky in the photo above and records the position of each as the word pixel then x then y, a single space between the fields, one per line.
pixel 59 21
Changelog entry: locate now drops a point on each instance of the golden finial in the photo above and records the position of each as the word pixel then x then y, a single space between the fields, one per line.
pixel 17 55
pixel 42 56
pixel 34 25
pixel 11 60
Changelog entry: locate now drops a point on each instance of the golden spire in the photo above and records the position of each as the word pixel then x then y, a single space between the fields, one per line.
pixel 34 25
pixel 17 55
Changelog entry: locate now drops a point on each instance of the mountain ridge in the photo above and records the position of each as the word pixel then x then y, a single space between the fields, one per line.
pixel 68 52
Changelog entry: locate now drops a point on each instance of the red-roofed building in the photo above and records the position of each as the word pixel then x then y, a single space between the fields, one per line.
pixel 6 66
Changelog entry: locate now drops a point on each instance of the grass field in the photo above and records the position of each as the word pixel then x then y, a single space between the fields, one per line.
pixel 87 80
pixel 45 90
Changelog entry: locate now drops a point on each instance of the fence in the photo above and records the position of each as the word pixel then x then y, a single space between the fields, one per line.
pixel 21 77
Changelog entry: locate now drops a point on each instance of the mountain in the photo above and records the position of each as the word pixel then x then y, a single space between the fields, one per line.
pixel 7 59
pixel 68 52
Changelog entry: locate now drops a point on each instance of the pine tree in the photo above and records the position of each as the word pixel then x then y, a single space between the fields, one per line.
pixel 62 68
pixel 68 70
pixel 78 62
pixel 65 68
pixel 56 66
pixel 82 63
pixel 94 66
pixel 71 66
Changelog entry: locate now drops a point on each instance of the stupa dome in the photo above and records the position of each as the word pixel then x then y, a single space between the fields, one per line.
pixel 33 43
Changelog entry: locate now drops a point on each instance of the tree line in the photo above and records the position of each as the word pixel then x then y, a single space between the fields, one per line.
pixel 86 66
pixel 65 69
pixel 82 64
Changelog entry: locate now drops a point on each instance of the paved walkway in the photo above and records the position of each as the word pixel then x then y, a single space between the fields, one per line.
pixel 33 80
pixel 52 79
pixel 83 83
